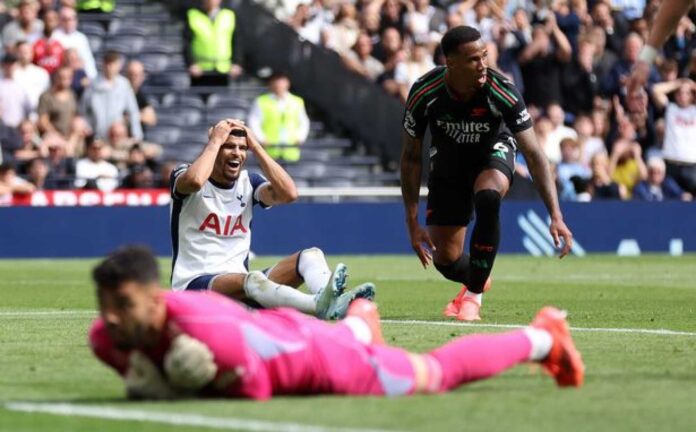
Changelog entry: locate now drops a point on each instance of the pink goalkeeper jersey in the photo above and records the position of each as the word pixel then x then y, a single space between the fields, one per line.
pixel 276 351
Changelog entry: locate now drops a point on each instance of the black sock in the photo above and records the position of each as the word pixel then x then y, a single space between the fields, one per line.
pixel 485 238
pixel 457 271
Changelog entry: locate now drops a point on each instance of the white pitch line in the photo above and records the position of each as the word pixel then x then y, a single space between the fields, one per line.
pixel 662 332
pixel 77 313
pixel 172 418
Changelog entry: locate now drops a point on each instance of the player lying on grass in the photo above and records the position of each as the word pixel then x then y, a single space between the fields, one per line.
pixel 168 344
pixel 211 212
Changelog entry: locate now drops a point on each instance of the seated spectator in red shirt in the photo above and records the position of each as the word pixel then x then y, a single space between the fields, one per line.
pixel 48 52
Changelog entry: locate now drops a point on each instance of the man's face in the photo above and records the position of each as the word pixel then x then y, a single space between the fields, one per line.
pixel 68 19
pixel 231 157
pixel 129 313
pixel 95 152
pixel 656 174
pixel 51 21
pixel 24 54
pixel 468 66
pixel 279 86
pixel 64 78
pixel 111 69
pixel 135 74
pixel 27 13
pixel 684 96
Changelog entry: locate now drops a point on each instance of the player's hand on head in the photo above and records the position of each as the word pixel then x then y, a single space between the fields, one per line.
pixel 221 131
pixel 422 244
pixel 562 237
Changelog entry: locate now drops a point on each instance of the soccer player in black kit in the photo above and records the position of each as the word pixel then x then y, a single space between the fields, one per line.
pixel 477 119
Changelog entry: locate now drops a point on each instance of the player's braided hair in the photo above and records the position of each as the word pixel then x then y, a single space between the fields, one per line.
pixel 457 36
pixel 130 263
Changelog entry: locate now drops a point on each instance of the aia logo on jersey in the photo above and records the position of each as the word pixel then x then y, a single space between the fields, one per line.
pixel 214 223
pixel 479 112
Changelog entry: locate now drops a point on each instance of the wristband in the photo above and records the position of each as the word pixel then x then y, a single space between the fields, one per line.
pixel 647 54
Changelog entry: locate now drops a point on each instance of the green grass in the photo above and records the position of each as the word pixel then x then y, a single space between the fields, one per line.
pixel 634 381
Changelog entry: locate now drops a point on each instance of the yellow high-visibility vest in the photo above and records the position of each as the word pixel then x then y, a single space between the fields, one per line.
pixel 212 39
pixel 281 126
pixel 105 6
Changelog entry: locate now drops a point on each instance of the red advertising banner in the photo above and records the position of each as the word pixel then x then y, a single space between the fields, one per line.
pixel 85 198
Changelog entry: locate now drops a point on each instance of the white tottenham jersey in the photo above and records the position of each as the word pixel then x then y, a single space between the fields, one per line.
pixel 211 229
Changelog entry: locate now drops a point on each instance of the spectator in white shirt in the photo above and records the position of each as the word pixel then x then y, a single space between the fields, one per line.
pixel 68 35
pixel 679 147
pixel 418 64
pixel 14 102
pixel 558 133
pixel 33 79
pixel 93 171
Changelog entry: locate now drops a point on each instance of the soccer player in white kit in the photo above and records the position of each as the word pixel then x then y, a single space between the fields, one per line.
pixel 211 212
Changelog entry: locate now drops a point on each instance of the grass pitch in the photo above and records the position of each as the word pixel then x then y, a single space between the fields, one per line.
pixel 635 380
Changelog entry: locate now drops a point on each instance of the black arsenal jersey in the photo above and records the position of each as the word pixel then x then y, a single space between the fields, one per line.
pixel 461 131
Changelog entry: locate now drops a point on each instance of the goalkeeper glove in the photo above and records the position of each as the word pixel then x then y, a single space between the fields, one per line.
pixel 144 381
pixel 189 364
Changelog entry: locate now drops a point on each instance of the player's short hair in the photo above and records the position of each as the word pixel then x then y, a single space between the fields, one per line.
pixel 457 36
pixel 127 264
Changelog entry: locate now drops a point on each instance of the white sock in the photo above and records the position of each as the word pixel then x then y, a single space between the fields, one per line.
pixel 541 342
pixel 478 298
pixel 361 331
pixel 314 269
pixel 270 294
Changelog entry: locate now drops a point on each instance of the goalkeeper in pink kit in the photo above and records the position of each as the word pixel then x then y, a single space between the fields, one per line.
pixel 168 344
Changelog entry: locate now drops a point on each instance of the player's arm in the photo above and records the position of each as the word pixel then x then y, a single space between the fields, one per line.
pixel 281 188
pixel 541 173
pixel 200 170
pixel 666 21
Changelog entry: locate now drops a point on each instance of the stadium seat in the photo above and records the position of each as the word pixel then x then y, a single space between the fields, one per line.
pixel 163 135
pixel 128 45
pixel 180 116
pixel 176 80
pixel 154 63
pixel 92 29
pixel 225 100
pixel 95 43
pixel 215 115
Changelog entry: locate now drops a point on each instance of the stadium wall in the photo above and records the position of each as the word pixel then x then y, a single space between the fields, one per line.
pixel 346 228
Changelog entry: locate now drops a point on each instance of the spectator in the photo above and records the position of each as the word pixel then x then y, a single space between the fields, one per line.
pixel 121 145
pixel 46 6
pixel 10 140
pixel 31 143
pixel 360 60
pixel 679 147
pixel 558 133
pixel 392 14
pixel 11 184
pixel 681 43
pixel 33 79
pixel 389 51
pixel 71 38
pixel 570 166
pixel 279 120
pixel 406 73
pixel 109 98
pixel 424 20
pixel 135 72
pixel 604 60
pixel 627 165
pixel 93 171
pixel 614 31
pixel 210 48
pixel 542 62
pixel 343 33
pixel 48 52
pixel 61 164
pixel 13 98
pixel 602 186
pixel 138 177
pixel 580 80
pixel 37 174
pixel 568 21
pixel 307 28
pixel 590 143
pixel 58 105
pixel 80 80
pixel 479 17
pixel 613 82
pixel 658 186
pixel 26 27
pixel 96 6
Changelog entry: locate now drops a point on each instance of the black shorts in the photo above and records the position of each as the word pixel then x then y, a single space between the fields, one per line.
pixel 451 201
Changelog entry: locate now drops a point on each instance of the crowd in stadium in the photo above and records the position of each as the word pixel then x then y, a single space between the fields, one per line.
pixel 63 124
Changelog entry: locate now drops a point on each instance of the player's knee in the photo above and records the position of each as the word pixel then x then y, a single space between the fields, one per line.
pixel 487 202
pixel 457 271
pixel 313 252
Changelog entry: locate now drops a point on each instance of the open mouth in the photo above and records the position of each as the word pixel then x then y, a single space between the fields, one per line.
pixel 234 164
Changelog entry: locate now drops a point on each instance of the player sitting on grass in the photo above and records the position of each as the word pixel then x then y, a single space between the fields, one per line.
pixel 211 212
pixel 168 344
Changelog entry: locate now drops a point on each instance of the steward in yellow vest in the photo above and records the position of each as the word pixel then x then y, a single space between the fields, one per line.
pixel 210 44
pixel 104 6
pixel 279 120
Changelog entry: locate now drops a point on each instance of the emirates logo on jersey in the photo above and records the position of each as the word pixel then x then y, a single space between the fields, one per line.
pixel 464 132
pixel 222 225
